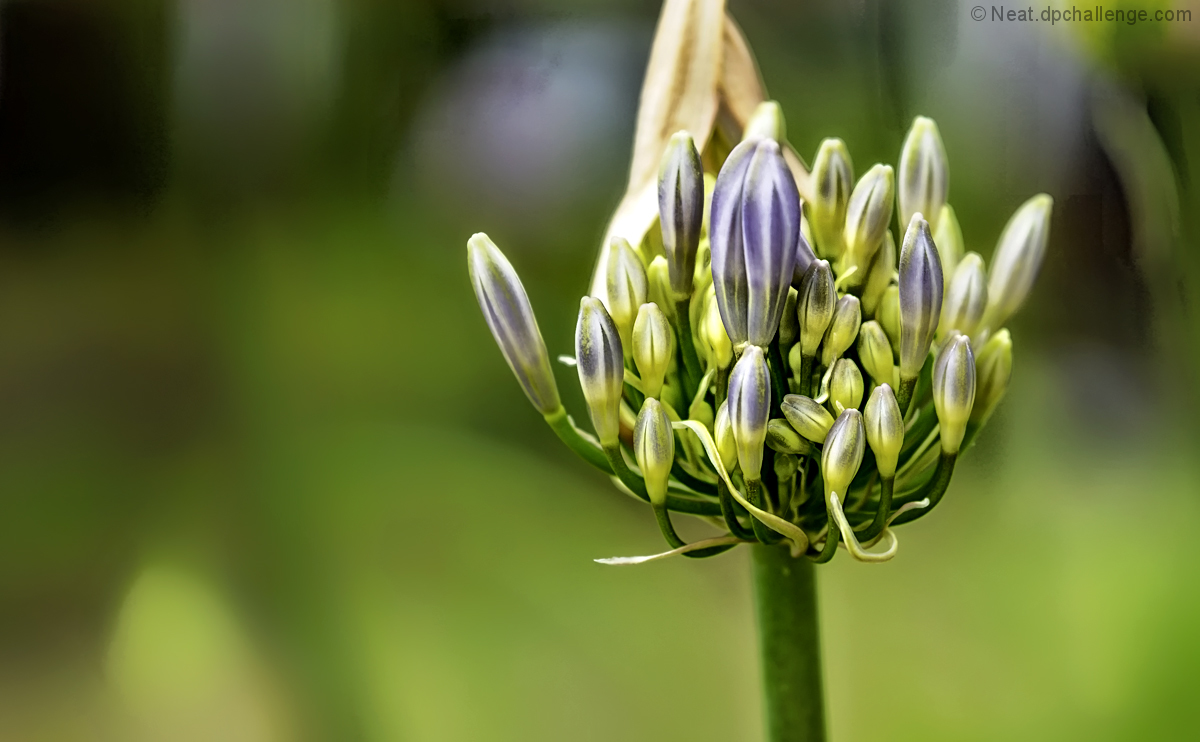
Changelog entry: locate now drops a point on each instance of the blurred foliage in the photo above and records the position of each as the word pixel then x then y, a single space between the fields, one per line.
pixel 267 478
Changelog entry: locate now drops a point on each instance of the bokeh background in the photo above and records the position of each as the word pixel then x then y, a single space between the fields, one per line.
pixel 265 477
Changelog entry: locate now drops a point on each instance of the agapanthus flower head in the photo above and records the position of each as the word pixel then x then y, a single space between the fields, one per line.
pixel 509 316
pixel 754 229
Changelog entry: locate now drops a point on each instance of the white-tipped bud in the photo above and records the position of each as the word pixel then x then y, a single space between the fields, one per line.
pixel 658 280
pixel 920 296
pixel 888 314
pixel 845 386
pixel 1018 259
pixel 847 316
pixel 885 429
pixel 924 178
pixel 654 448
pixel 875 353
pixel 954 391
pixel 723 437
pixel 815 303
pixel 807 417
pixel 749 408
pixel 766 123
pixel 781 437
pixel 789 326
pixel 879 277
pixel 868 216
pixel 949 240
pixel 967 297
pixel 833 180
pixel 993 369
pixel 627 287
pixel 600 363
pixel 715 338
pixel 653 347
pixel 843 453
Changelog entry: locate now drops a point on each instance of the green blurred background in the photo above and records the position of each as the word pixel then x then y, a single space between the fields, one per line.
pixel 264 475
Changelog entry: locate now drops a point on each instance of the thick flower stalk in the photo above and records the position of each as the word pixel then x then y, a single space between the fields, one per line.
pixel 778 368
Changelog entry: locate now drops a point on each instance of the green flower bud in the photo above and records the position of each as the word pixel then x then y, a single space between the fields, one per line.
pixel 766 123
pixel 924 177
pixel 885 429
pixel 949 240
pixel 954 391
pixel 875 353
pixel 627 288
pixel 749 408
pixel 723 437
pixel 715 337
pixel 847 316
pixel 843 453
pixel 879 277
pixel 868 215
pixel 701 412
pixel 681 209
pixel 510 317
pixel 653 347
pixel 601 367
pixel 654 448
pixel 993 369
pixel 845 386
pixel 967 297
pixel 920 296
pixel 807 417
pixel 815 303
pixel 658 279
pixel 888 314
pixel 833 179
pixel 1018 259
pixel 789 327
pixel 783 438
pixel 786 466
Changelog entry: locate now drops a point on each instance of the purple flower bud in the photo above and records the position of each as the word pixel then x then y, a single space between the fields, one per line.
pixel 920 296
pixel 681 209
pixel 755 224
pixel 804 255
pixel 749 409
pixel 600 362
pixel 510 318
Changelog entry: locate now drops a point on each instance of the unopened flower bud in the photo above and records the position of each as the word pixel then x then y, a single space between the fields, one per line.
pixel 879 276
pixel 888 314
pixel 509 316
pixel 659 283
pixel 924 177
pixel 789 327
pixel 719 345
pixel 967 297
pixel 847 316
pixel 766 123
pixel 875 353
pixel 626 286
pixel 815 303
pixel 993 369
pixel 954 391
pixel 949 240
pixel 783 438
pixel 885 429
pixel 653 347
pixel 807 417
pixel 654 448
pixel 701 412
pixel 1018 259
pixel 749 408
pixel 754 232
pixel 681 209
pixel 843 453
pixel 920 296
pixel 845 386
pixel 804 253
pixel 868 215
pixel 723 437
pixel 601 367
pixel 833 180
pixel 786 466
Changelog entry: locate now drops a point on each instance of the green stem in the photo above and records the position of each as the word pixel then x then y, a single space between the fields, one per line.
pixel 687 346
pixel 730 514
pixel 761 531
pixel 933 490
pixel 806 368
pixel 561 424
pixel 905 397
pixel 786 597
pixel 887 487
pixel 778 371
